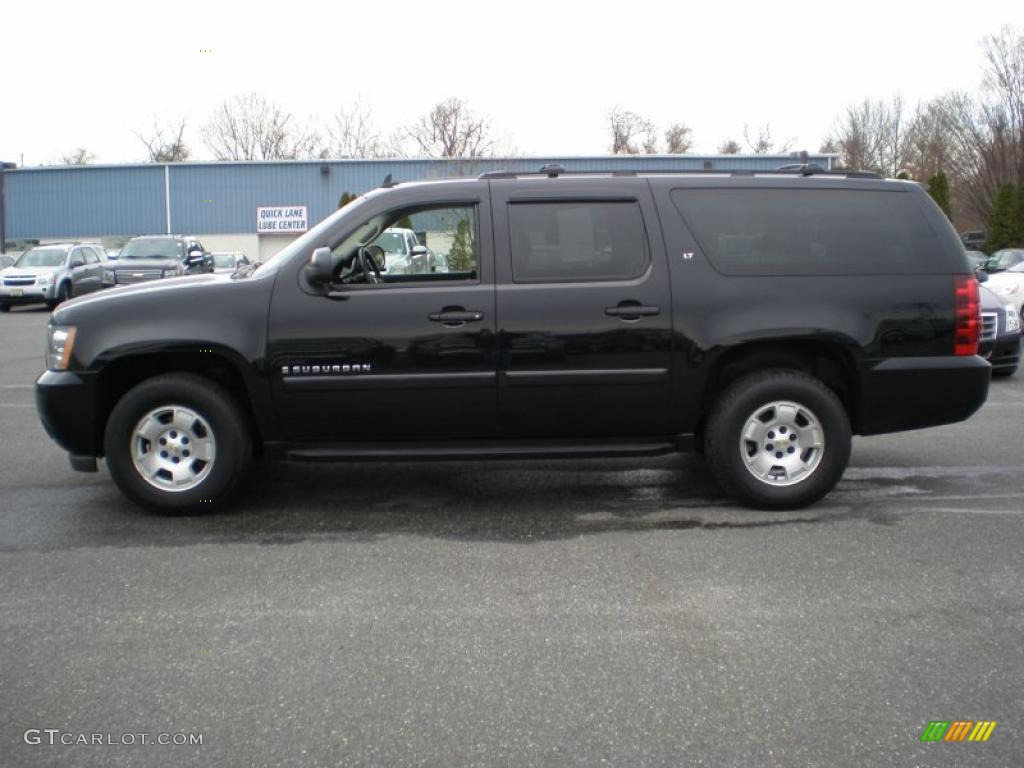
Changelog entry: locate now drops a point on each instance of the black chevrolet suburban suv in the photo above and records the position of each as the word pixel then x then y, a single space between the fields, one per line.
pixel 759 318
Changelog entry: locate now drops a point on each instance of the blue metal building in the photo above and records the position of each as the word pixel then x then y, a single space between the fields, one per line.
pixel 220 199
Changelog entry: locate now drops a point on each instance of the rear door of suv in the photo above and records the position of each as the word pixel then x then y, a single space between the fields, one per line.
pixel 583 308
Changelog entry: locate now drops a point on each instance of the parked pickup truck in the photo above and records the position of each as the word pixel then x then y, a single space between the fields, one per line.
pixel 760 318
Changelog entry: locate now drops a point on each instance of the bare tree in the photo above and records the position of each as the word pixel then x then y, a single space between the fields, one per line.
pixel 248 127
pixel 631 133
pixel 873 135
pixel 928 147
pixel 80 156
pixel 678 139
pixel 451 129
pixel 982 135
pixel 761 142
pixel 352 133
pixel 165 143
pixel 1003 95
pixel 729 147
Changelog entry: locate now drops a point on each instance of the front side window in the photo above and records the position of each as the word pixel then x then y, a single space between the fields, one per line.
pixel 90 256
pixel 576 241
pixel 412 245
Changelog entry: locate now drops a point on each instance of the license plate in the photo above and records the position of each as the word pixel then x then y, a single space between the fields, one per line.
pixel 16 291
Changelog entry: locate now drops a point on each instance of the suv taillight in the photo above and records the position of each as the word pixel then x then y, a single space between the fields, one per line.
pixel 967 309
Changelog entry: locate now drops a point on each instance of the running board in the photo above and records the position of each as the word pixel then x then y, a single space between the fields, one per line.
pixel 485 449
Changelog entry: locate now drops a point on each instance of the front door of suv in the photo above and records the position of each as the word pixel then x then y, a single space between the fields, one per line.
pixel 584 311
pixel 411 357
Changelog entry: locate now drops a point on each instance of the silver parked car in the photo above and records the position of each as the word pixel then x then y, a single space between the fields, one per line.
pixel 228 261
pixel 53 273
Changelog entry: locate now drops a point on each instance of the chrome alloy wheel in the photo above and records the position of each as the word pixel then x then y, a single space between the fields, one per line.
pixel 173 448
pixel 782 443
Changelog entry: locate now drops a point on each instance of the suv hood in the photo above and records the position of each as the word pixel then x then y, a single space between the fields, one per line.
pixel 29 271
pixel 150 288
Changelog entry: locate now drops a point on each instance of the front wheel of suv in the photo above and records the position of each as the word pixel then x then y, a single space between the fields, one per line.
pixel 63 294
pixel 177 444
pixel 777 439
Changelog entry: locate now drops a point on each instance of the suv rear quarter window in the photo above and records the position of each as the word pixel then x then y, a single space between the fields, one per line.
pixel 577 241
pixel 771 231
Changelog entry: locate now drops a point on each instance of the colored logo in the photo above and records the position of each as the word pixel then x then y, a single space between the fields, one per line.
pixel 958 730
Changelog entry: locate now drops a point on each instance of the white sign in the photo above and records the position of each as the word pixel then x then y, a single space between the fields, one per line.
pixel 281 219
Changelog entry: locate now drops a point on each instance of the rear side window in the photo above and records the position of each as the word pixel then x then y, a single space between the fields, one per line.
pixel 810 232
pixel 576 241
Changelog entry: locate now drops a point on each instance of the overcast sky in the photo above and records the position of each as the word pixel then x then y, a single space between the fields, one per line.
pixel 79 74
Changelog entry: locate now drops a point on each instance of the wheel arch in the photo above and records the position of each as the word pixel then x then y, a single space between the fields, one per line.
pixel 119 374
pixel 827 360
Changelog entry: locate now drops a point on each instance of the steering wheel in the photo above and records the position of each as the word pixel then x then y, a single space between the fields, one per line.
pixel 368 264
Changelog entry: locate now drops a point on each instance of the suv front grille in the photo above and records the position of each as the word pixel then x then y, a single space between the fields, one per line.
pixel 19 280
pixel 989 325
pixel 126 276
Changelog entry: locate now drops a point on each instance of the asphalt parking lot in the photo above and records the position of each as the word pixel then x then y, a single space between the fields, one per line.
pixel 545 613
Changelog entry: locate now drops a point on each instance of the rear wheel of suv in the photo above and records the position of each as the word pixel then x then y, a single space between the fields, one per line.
pixel 5 307
pixel 778 439
pixel 177 444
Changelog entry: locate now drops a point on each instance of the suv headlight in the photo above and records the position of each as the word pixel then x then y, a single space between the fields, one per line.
pixel 1012 318
pixel 60 340
pixel 44 279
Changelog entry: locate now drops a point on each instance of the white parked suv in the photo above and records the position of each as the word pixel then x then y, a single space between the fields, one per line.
pixel 53 273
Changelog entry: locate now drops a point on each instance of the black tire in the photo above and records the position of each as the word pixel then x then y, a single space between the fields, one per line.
pixel 1002 373
pixel 226 421
pixel 5 307
pixel 63 294
pixel 730 414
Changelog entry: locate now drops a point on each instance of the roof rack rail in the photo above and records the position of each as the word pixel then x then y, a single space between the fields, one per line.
pixel 813 169
pixel 553 170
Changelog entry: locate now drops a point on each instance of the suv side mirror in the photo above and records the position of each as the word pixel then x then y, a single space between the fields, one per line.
pixel 419 250
pixel 320 269
pixel 982 275
pixel 77 262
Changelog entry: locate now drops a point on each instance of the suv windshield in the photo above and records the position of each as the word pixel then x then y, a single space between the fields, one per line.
pixel 152 249
pixel 41 257
pixel 223 260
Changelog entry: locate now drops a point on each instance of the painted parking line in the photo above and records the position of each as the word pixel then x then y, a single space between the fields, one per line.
pixel 17 405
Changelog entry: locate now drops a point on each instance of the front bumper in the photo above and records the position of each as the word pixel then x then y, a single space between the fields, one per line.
pixel 28 294
pixel 66 403
pixel 1003 353
pixel 901 393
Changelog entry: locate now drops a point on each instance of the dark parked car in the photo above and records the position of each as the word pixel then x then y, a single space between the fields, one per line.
pixel 50 274
pixel 760 318
pixel 158 256
pixel 973 240
pixel 1000 334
